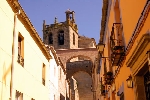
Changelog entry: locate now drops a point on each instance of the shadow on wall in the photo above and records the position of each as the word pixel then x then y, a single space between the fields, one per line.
pixel 62 97
pixel 5 73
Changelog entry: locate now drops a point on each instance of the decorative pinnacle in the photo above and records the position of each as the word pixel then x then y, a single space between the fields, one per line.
pixel 55 20
pixel 68 11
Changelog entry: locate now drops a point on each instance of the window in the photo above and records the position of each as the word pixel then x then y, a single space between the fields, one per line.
pixel 19 96
pixel 20 50
pixel 73 39
pixel 43 74
pixel 60 74
pixel 122 96
pixel 54 97
pixel 61 38
pixel 105 66
pixel 50 38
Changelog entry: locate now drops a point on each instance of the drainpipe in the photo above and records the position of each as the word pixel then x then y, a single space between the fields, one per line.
pixel 14 55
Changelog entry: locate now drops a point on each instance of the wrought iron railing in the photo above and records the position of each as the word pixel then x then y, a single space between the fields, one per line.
pixel 116 35
pixel 102 89
pixel 116 44
pixel 109 78
pixel 43 81
pixel 20 60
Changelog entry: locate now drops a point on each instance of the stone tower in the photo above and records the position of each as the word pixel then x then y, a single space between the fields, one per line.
pixel 62 35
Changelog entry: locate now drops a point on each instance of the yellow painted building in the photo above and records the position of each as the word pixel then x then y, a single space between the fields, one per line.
pixel 24 59
pixel 125 31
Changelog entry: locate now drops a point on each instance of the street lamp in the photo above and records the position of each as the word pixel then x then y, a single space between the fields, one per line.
pixel 129 82
pixel 100 47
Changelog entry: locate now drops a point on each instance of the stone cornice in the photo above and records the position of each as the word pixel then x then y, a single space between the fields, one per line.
pixel 63 24
pixel 14 4
pixel 54 54
pixel 59 51
pixel 61 64
pixel 103 20
pixel 143 43
pixel 139 26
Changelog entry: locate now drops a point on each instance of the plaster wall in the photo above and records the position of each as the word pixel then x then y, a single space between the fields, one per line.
pixel 62 83
pixel 130 12
pixel 27 79
pixel 53 79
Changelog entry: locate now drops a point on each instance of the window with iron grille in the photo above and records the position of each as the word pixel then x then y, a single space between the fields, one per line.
pixel 61 38
pixel 43 74
pixel 73 39
pixel 20 50
pixel 50 38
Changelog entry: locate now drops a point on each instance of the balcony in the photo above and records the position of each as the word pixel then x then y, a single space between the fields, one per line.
pixel 117 45
pixel 108 78
pixel 103 91
pixel 20 60
pixel 43 81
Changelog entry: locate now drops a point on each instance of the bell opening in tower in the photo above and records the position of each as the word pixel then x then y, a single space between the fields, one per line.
pixel 61 38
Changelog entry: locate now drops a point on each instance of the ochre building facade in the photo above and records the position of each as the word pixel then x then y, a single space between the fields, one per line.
pixel 125 36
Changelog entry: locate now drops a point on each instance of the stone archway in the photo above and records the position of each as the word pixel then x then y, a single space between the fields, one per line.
pixel 77 60
pixel 73 67
pixel 67 54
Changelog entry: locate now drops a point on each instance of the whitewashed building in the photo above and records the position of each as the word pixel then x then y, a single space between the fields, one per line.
pixel 53 75
pixel 58 86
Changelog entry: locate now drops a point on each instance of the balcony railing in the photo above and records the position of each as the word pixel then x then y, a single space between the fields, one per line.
pixel 20 60
pixel 108 78
pixel 103 91
pixel 43 81
pixel 116 44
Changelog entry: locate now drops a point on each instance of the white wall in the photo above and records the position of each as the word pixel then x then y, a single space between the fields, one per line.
pixel 53 78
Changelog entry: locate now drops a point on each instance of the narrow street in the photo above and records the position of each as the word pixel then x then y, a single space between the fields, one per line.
pixel 74 50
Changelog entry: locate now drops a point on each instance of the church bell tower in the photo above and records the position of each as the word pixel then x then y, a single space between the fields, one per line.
pixel 62 35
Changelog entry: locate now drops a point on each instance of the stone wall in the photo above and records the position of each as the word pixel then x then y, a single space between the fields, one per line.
pixel 84 81
pixel 55 30
pixel 85 42
pixel 74 67
pixel 67 55
pixel 71 32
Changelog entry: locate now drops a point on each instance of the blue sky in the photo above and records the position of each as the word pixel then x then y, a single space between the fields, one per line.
pixel 87 14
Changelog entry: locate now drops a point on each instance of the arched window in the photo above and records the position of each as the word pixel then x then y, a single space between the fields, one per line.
pixel 61 38
pixel 73 39
pixel 50 38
